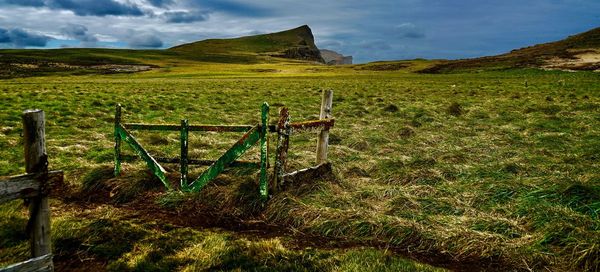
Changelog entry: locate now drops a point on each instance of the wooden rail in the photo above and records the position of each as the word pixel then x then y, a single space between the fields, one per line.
pixel 297 126
pixel 37 264
pixel 34 186
pixel 167 127
pixel 27 186
pixel 209 162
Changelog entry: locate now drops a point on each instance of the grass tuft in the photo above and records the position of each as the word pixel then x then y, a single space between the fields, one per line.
pixel 455 109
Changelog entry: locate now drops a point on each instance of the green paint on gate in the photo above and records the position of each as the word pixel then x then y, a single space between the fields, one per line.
pixel 248 140
pixel 183 163
pixel 263 185
pixel 156 169
pixel 252 135
pixel 117 169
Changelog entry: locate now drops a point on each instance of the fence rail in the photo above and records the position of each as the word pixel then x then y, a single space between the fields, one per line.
pixel 166 127
pixel 27 185
pixel 38 264
pixel 34 186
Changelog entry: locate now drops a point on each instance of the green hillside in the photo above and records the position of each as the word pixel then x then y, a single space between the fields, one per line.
pixel 540 55
pixel 297 43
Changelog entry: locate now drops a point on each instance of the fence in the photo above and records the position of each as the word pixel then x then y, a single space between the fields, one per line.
pixel 34 187
pixel 253 134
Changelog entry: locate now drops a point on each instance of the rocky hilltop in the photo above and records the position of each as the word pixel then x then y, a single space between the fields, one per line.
pixel 297 43
pixel 334 58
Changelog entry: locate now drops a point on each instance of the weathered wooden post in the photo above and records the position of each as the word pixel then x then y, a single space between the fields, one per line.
pixel 264 146
pixel 36 161
pixel 323 140
pixel 117 140
pixel 283 143
pixel 185 127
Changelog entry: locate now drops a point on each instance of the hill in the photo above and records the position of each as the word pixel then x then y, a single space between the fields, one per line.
pixel 578 52
pixel 297 43
pixel 78 61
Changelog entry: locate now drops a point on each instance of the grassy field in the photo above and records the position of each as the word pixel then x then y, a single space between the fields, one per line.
pixel 478 171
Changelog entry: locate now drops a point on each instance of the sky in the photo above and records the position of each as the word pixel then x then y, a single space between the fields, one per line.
pixel 368 30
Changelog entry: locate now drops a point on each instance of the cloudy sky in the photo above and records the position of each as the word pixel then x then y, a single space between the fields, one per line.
pixel 368 30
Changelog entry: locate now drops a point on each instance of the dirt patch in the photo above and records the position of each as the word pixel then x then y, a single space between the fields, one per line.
pixel 122 68
pixel 588 60
pixel 265 70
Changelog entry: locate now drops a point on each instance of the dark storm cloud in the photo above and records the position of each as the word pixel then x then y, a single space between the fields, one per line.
pixel 27 3
pixel 17 37
pixel 78 32
pixel 145 40
pixel 4 36
pixel 185 16
pixel 96 7
pixel 84 7
pixel 160 3
pixel 233 8
pixel 409 30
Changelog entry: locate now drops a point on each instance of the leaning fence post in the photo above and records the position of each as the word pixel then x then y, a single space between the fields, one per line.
pixel 185 127
pixel 283 140
pixel 36 161
pixel 323 140
pixel 117 140
pixel 264 137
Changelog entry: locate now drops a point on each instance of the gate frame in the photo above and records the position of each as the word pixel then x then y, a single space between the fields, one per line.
pixel 253 134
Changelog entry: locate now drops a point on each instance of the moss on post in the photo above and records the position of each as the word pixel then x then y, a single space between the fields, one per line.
pixel 117 140
pixel 183 167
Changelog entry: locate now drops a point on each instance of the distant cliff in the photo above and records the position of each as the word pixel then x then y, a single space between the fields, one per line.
pixel 334 58
pixel 297 43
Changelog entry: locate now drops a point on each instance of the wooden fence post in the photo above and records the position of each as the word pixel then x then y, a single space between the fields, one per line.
pixel 36 161
pixel 264 150
pixel 323 140
pixel 283 142
pixel 117 140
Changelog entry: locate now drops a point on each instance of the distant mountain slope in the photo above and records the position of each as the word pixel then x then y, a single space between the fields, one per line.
pixel 297 43
pixel 578 52
pixel 78 61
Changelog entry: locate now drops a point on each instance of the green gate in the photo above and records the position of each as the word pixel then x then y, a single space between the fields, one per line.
pixel 253 134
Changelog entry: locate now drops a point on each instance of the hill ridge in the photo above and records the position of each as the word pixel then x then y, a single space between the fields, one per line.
pixel 576 52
